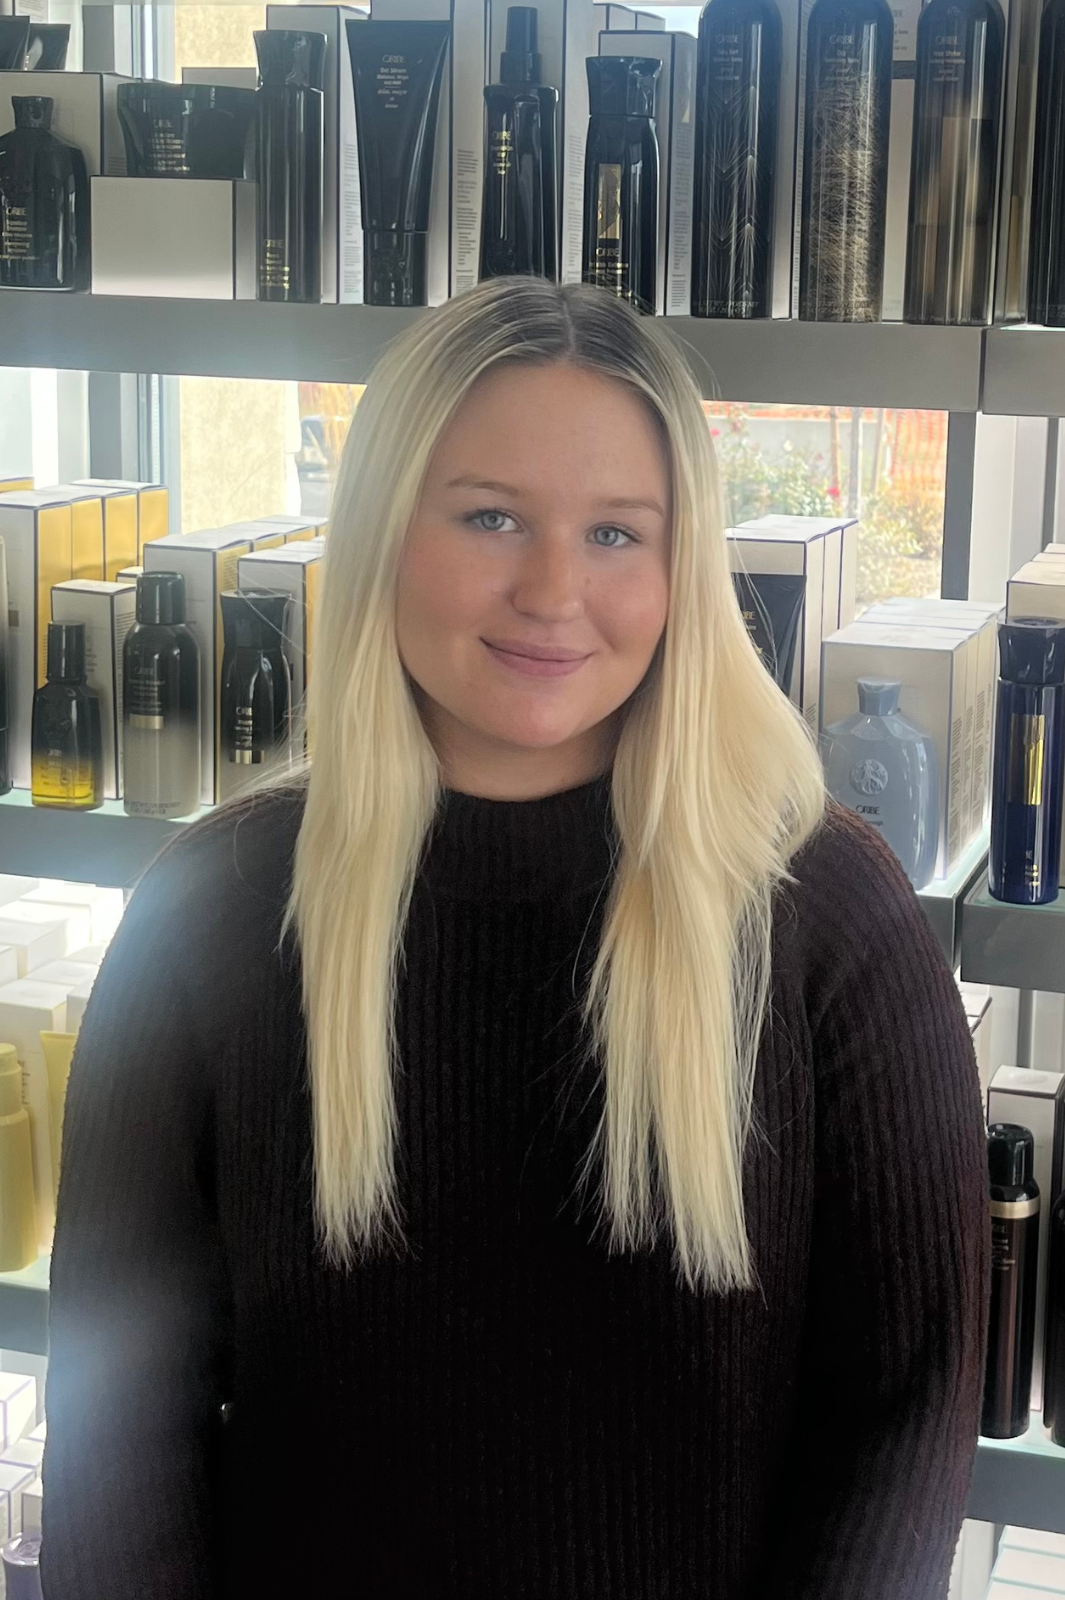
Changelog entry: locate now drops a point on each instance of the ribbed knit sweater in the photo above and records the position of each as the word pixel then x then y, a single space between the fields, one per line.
pixel 506 1411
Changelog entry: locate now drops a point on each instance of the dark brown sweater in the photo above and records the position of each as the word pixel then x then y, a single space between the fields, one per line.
pixel 506 1412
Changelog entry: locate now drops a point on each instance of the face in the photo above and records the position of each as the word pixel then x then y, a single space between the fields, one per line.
pixel 544 521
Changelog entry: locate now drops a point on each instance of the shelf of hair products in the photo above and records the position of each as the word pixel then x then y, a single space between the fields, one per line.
pixel 286 221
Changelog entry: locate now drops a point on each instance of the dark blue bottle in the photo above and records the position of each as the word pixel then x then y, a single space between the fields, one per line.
pixel 1028 776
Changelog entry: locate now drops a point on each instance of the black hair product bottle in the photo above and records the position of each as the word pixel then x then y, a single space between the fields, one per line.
pixel 845 157
pixel 44 203
pixel 67 747
pixel 161 703
pixel 621 179
pixel 1014 1258
pixel 954 165
pixel 1027 777
pixel 737 103
pixel 1046 250
pixel 520 204
pixel 291 79
pixel 1054 1343
pixel 256 694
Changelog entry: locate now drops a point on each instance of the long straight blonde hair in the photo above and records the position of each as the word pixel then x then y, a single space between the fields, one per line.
pixel 715 785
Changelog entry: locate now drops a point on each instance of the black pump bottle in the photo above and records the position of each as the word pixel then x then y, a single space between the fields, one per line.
pixel 519 223
pixel 1014 1256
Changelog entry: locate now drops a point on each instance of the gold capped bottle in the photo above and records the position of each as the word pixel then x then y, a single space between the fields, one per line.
pixel 67 752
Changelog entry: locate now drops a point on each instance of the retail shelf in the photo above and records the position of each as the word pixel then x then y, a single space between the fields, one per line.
pixel 1016 947
pixel 104 847
pixel 1024 372
pixel 943 898
pixel 24 1309
pixel 845 364
pixel 1020 1481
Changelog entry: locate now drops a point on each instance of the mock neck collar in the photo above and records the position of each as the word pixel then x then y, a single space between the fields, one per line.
pixel 501 850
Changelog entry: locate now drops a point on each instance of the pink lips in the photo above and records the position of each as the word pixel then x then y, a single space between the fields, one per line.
pixel 531 667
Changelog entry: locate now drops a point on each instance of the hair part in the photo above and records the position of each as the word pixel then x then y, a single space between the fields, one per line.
pixel 715 785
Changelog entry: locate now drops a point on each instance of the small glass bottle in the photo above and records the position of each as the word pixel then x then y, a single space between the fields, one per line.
pixel 1027 776
pixel 1014 1259
pixel 67 749
pixel 161 703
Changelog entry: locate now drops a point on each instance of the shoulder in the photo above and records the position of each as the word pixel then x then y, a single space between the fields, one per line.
pixel 849 906
pixel 229 873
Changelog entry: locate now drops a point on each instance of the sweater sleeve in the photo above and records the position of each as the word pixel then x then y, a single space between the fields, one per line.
pixel 874 1494
pixel 138 1317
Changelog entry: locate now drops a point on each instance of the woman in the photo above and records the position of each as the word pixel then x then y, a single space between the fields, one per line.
pixel 542 1155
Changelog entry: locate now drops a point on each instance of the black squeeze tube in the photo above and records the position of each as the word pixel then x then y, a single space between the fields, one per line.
pixel 397 69
pixel 771 603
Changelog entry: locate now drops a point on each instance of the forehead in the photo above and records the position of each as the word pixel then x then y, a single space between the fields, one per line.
pixel 524 422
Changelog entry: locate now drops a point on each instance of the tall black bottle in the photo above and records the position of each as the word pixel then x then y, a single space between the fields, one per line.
pixel 1046 250
pixel 954 162
pixel 737 104
pixel 1014 1257
pixel 844 177
pixel 519 219
pixel 289 148
pixel 255 699
pixel 621 179
pixel 44 203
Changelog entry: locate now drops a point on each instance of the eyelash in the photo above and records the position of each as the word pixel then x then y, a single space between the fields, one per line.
pixel 492 511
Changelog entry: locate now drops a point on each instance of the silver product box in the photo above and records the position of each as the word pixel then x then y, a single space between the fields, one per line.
pixel 182 238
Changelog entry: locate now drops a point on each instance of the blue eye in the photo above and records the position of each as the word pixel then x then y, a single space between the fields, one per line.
pixel 624 533
pixel 490 521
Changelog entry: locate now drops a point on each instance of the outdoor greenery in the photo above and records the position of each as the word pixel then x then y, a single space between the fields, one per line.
pixel 901 527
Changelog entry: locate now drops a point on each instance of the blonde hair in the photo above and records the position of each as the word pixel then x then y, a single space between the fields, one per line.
pixel 715 785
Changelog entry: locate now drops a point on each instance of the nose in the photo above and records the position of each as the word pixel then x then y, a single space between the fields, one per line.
pixel 549 580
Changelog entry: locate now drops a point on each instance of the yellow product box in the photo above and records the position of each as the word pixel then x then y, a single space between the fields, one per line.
pixel 262 533
pixel 36 530
pixel 298 529
pixel 86 528
pixel 208 563
pixel 15 485
pixel 120 524
pixel 129 575
pixel 153 507
pixel 294 570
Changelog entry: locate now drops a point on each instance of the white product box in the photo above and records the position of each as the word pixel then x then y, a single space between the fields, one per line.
pixel 187 240
pixel 647 22
pixel 25 1452
pixel 77 1000
pixel 294 570
pixel 29 945
pixel 980 625
pixel 1051 1544
pixel 36 530
pixel 616 19
pixel 841 558
pixel 14 1481
pixel 90 955
pixel 787 202
pixel 900 146
pixel 75 920
pixel 815 547
pixel 12 888
pixel 105 907
pixel 567 31
pixel 262 533
pixel 108 611
pixel 299 530
pixel 980 1032
pixel 18 1406
pixel 208 563
pixel 66 975
pixel 31 1506
pixel 85 114
pixel 1036 1100
pixel 675 125
pixel 930 665
pixel 458 168
pixel 1043 1576
pixel 28 1009
pixel 342 253
pixel 229 77
pixel 39 1432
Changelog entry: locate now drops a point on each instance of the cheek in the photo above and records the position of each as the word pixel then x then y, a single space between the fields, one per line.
pixel 631 612
pixel 439 578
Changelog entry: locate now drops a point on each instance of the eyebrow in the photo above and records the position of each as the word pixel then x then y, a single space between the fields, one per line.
pixel 622 503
